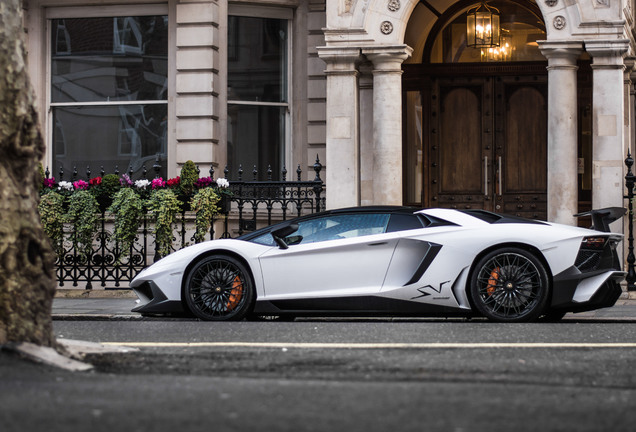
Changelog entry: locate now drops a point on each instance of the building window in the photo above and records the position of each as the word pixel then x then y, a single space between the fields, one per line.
pixel 109 93
pixel 258 103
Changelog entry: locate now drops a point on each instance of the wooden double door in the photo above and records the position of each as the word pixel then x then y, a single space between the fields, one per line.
pixel 486 146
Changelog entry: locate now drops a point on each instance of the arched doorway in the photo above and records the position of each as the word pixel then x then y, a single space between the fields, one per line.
pixel 475 120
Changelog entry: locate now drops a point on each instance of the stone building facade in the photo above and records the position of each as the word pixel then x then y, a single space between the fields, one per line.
pixel 385 92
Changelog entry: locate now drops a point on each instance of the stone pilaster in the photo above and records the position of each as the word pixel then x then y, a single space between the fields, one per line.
pixel 366 133
pixel 608 130
pixel 343 143
pixel 197 67
pixel 387 122
pixel 562 129
pixel 628 100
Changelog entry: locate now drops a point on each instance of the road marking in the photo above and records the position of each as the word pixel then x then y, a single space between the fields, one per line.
pixel 319 345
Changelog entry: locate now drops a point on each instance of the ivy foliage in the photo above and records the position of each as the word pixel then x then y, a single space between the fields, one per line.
pixel 51 208
pixel 164 205
pixel 82 214
pixel 203 203
pixel 128 209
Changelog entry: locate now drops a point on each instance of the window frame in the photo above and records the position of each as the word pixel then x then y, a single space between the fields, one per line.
pixel 106 11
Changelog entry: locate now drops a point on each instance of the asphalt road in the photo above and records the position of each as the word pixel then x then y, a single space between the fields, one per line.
pixel 336 375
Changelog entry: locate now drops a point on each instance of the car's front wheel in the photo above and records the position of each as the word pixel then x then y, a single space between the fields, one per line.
pixel 219 288
pixel 509 285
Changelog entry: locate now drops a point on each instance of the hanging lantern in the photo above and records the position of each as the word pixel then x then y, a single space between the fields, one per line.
pixel 482 27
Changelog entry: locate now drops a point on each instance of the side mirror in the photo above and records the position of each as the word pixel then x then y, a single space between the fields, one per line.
pixel 279 234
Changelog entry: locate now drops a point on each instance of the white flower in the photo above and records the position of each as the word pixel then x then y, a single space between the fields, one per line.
pixel 222 183
pixel 142 184
pixel 65 185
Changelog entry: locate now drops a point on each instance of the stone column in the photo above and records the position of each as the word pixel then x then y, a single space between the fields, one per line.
pixel 628 100
pixel 196 107
pixel 366 133
pixel 343 144
pixel 562 129
pixel 608 131
pixel 387 122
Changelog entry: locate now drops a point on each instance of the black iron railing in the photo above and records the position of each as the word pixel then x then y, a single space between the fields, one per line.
pixel 630 181
pixel 268 200
pixel 251 205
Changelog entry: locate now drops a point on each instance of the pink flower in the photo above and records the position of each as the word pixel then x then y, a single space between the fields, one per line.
pixel 158 183
pixel 203 182
pixel 125 181
pixel 80 184
pixel 49 182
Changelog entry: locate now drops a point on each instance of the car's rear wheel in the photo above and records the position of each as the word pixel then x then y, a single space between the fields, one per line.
pixel 509 285
pixel 219 288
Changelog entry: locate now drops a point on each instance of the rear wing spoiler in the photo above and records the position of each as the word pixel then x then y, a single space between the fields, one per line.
pixel 602 218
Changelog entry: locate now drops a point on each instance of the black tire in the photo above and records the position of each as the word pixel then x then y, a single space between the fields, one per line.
pixel 219 288
pixel 509 285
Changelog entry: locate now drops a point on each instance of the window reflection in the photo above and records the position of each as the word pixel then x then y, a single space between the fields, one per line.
pixel 256 136
pixel 257 94
pixel 99 66
pixel 109 59
pixel 110 136
pixel 257 60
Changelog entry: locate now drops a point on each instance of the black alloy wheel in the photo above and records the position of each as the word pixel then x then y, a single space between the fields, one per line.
pixel 219 288
pixel 510 285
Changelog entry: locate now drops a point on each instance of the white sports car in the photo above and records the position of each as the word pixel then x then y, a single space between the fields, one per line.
pixel 393 261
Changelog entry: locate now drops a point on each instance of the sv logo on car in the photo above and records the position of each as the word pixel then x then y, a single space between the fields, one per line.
pixel 423 292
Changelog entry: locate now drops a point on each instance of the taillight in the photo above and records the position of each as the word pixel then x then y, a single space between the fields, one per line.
pixel 593 243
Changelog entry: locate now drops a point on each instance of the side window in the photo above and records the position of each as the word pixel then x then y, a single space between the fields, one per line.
pixel 403 222
pixel 336 227
pixel 333 227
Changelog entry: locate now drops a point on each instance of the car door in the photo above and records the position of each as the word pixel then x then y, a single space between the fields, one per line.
pixel 332 256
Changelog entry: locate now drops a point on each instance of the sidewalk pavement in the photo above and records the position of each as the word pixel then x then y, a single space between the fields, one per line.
pixel 105 304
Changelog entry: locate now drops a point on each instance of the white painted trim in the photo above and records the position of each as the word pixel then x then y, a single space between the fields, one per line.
pixel 105 11
pixel 251 103
pixel 261 11
pixel 109 103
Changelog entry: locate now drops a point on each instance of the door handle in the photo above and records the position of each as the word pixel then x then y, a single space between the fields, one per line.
pixel 500 185
pixel 378 243
pixel 486 176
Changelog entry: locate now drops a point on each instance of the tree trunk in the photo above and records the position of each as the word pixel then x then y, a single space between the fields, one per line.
pixel 27 283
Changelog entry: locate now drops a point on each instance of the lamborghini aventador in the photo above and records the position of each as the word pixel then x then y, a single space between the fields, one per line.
pixel 393 261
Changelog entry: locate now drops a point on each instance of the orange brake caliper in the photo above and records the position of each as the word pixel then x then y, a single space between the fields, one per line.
pixel 236 294
pixel 492 282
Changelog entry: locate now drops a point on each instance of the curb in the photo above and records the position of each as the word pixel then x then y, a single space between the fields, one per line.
pixel 98 293
pixel 96 317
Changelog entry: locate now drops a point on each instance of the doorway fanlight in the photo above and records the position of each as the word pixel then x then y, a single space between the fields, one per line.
pixel 482 27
